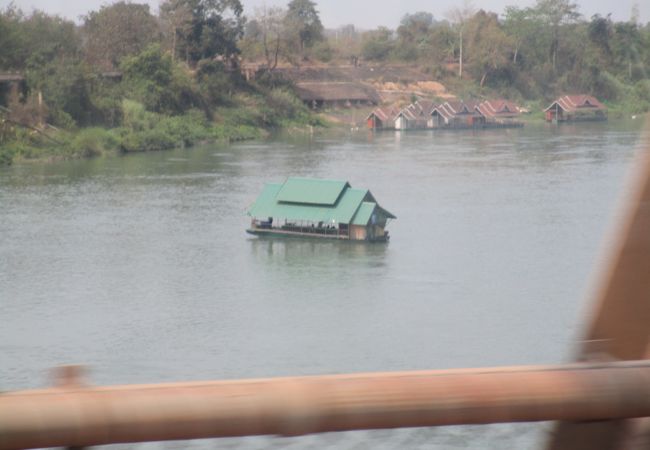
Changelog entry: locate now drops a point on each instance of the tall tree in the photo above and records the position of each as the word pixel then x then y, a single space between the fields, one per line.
pixel 377 44
pixel 413 35
pixel 520 26
pixel 119 30
pixel 176 18
pixel 36 39
pixel 488 46
pixel 302 17
pixel 554 14
pixel 272 34
pixel 204 29
pixel 459 16
pixel 628 46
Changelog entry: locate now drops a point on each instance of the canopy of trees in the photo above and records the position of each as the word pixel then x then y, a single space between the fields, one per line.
pixel 186 56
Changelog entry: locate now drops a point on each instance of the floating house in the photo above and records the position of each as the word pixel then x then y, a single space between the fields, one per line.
pixel 415 116
pixel 457 114
pixel 576 108
pixel 499 111
pixel 407 118
pixel 381 118
pixel 329 209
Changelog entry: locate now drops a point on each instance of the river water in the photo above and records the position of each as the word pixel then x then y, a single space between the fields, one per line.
pixel 139 267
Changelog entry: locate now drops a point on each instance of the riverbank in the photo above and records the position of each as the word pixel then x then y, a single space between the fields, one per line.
pixel 144 131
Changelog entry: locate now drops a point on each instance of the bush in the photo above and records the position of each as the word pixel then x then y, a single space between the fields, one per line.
pixel 285 103
pixel 92 142
pixel 7 153
pixel 231 133
pixel 152 78
pixel 136 117
pixel 187 129
pixel 148 140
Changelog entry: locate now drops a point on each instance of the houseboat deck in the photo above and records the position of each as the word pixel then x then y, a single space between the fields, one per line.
pixel 324 209
pixel 258 229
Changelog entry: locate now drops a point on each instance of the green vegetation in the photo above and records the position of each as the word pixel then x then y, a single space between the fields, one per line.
pixel 127 80
pixel 105 87
pixel 531 54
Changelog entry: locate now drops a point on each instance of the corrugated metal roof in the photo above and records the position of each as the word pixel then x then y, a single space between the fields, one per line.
pixel 310 191
pixel 267 206
pixel 571 103
pixel 350 202
pixel 362 217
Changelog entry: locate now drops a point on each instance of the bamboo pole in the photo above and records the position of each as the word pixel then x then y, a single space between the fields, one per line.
pixel 74 415
pixel 618 327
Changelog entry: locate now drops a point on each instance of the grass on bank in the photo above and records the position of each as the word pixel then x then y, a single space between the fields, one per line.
pixel 249 117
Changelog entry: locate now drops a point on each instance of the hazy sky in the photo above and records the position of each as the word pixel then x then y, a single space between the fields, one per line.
pixel 362 13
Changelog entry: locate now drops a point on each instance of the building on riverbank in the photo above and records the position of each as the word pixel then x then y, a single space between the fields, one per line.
pixel 455 114
pixel 576 108
pixel 329 209
pixel 380 118
pixel 336 94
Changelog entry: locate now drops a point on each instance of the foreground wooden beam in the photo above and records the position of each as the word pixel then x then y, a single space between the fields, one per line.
pixel 619 324
pixel 74 415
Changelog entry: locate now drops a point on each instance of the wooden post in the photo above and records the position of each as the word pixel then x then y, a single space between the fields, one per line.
pixel 75 415
pixel 619 326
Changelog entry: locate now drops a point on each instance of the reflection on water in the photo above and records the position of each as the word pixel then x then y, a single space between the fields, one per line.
pixel 322 253
pixel 140 267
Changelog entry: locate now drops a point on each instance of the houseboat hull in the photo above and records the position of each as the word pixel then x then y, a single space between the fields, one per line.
pixel 278 233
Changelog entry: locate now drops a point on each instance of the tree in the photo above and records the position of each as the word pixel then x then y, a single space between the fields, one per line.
pixel 151 78
pixel 63 85
pixel 271 33
pixel 302 18
pixel 119 30
pixel 554 14
pixel 177 21
pixel 9 39
pixel 459 16
pixel 487 44
pixel 377 44
pixel 628 45
pixel 415 26
pixel 413 35
pixel 441 43
pixel 204 29
pixel 36 39
pixel 345 42
pixel 520 25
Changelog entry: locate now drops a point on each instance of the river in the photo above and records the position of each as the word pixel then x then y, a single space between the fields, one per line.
pixel 139 267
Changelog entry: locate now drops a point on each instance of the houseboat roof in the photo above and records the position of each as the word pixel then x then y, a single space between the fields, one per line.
pixel 570 103
pixel 314 200
pixel 384 114
pixel 498 108
pixel 456 108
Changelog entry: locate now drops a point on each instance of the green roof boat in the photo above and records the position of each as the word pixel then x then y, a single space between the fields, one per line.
pixel 326 209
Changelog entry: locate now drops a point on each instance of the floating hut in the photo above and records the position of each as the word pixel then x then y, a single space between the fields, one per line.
pixel 576 108
pixel 500 111
pixel 328 209
pixel 456 114
pixel 381 118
